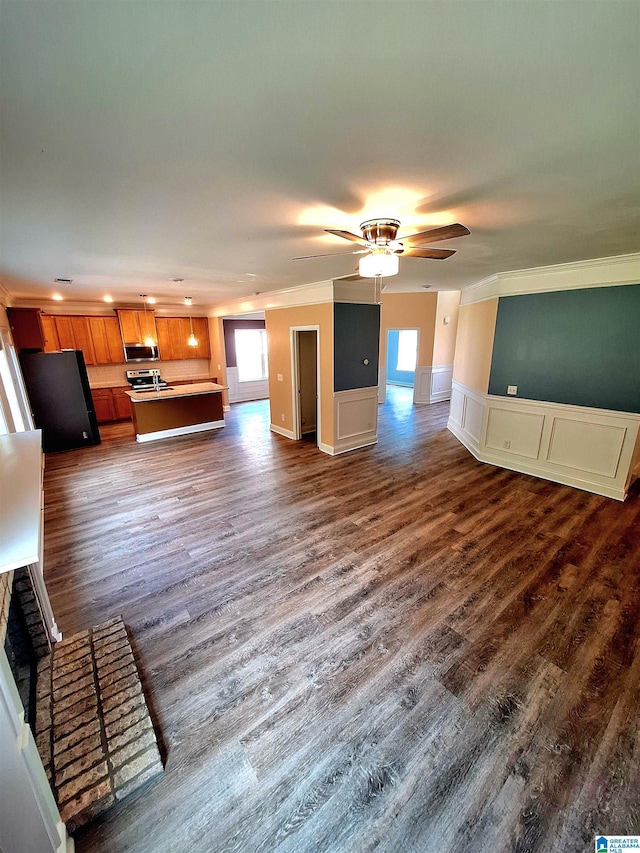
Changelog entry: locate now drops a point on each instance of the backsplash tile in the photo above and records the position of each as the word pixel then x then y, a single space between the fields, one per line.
pixel 112 375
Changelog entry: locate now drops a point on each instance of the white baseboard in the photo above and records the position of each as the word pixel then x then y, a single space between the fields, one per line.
pixel 186 430
pixel 287 433
pixel 336 451
pixel 590 449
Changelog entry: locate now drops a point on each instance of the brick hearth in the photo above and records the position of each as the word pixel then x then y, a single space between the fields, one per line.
pixel 93 728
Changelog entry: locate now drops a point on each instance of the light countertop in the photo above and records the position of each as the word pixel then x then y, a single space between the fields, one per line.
pixel 178 391
pixel 95 386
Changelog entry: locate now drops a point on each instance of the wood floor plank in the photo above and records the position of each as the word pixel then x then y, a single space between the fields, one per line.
pixel 397 649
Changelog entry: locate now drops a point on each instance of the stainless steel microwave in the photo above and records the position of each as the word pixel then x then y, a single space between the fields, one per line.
pixel 140 352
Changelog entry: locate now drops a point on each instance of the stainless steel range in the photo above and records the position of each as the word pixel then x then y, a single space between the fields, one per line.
pixel 146 380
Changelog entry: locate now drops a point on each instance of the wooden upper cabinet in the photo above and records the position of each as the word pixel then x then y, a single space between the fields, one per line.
pixel 83 339
pixel 26 328
pixel 173 334
pixel 137 325
pixel 51 342
pixel 171 347
pixel 107 342
pixel 201 331
pixel 73 332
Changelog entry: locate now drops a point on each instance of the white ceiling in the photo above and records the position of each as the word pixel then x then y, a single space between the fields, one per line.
pixel 213 141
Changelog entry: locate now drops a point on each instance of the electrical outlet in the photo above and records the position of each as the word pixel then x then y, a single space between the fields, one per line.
pixel 280 380
pixel 512 390
pixel 282 418
pixel 506 444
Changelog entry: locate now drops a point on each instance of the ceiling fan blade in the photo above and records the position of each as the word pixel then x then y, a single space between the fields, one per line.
pixel 434 254
pixel 347 235
pixel 330 254
pixel 447 232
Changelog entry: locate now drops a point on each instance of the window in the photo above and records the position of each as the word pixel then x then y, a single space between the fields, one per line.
pixel 407 349
pixel 251 354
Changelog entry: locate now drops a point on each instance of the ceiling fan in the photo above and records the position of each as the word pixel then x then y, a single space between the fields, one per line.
pixel 382 250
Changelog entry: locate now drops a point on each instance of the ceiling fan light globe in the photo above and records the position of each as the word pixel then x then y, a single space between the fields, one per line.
pixel 379 264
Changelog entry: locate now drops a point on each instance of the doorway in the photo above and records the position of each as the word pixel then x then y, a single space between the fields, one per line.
pixel 306 415
pixel 402 357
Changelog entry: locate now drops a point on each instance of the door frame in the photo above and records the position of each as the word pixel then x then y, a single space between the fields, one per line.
pixel 295 380
pixel 382 375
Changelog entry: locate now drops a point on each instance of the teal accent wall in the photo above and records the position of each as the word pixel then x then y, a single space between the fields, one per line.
pixel 580 347
pixel 356 333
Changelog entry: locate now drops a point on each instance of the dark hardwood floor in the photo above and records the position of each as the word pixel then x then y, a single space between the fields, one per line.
pixel 397 649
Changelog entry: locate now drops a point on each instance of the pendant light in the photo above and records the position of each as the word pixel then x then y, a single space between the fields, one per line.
pixel 192 341
pixel 148 340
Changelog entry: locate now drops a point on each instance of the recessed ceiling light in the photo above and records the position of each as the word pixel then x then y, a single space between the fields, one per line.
pixel 107 298
pixel 151 300
pixel 57 297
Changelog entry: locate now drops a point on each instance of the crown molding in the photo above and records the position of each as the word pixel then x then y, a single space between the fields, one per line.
pixel 597 272
pixel 6 298
pixel 289 297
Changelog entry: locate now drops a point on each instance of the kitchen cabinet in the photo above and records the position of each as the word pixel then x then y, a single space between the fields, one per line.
pixel 97 337
pixel 51 342
pixel 171 345
pixel 111 404
pixel 201 331
pixel 121 403
pixel 106 339
pixel 136 325
pixel 26 328
pixel 74 333
pixel 103 405
pixel 173 334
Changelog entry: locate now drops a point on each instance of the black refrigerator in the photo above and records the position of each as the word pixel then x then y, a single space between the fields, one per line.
pixel 58 390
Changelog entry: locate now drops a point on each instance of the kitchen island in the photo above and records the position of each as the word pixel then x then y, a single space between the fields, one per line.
pixel 176 411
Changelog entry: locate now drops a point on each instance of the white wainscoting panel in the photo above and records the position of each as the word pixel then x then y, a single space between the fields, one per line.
pixel 472 418
pixel 519 432
pixel 441 377
pixel 591 449
pixel 456 408
pixel 240 392
pixel 356 419
pixel 422 385
pixel 432 383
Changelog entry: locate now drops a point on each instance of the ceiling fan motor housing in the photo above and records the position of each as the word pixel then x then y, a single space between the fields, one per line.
pixel 381 232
